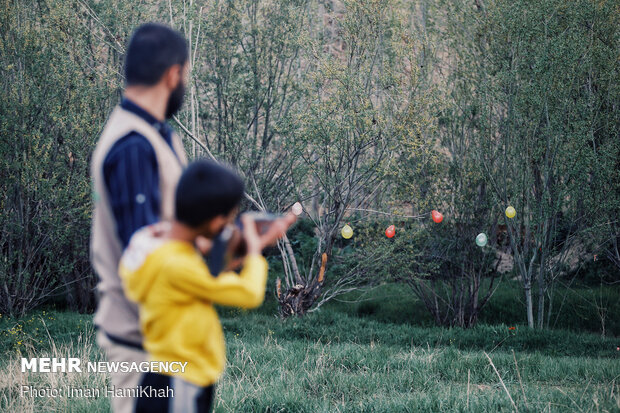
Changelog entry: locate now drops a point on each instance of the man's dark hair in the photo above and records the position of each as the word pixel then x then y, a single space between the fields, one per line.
pixel 205 191
pixel 152 50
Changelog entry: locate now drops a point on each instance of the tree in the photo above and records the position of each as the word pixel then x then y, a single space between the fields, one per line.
pixel 246 76
pixel 56 91
pixel 362 102
pixel 545 109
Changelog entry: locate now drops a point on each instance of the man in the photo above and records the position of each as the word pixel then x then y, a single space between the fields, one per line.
pixel 135 168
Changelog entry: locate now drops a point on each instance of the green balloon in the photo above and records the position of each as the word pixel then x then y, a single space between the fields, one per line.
pixel 481 239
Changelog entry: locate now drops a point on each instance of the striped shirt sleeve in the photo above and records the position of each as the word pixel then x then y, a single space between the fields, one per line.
pixel 131 176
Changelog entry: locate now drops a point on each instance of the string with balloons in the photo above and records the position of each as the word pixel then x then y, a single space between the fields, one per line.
pixel 390 231
pixel 482 239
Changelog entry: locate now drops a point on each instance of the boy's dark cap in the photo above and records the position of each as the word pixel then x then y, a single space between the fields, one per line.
pixel 206 189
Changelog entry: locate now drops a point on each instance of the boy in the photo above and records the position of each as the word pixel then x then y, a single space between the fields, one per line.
pixel 166 275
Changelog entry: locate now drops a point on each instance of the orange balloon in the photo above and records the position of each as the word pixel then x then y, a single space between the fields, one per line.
pixel 437 216
pixel 390 231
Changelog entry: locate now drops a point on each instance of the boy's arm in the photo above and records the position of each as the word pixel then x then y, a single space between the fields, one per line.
pixel 245 290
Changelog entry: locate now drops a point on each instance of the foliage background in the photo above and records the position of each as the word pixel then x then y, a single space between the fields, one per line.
pixel 353 107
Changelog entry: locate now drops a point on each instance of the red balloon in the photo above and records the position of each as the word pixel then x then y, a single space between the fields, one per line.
pixel 390 231
pixel 437 216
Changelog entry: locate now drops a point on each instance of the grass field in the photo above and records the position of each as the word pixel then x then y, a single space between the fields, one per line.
pixel 349 357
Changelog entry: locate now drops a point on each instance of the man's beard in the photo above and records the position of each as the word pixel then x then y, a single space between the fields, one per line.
pixel 175 101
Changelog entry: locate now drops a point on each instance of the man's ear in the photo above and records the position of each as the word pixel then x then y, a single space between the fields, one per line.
pixel 173 76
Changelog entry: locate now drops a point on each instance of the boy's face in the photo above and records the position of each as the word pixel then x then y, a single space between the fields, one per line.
pixel 214 226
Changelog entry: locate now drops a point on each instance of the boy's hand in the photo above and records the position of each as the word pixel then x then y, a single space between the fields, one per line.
pixel 203 244
pixel 255 243
pixel 252 240
pixel 277 230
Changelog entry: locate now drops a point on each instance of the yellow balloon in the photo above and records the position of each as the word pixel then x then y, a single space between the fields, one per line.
pixel 510 212
pixel 347 232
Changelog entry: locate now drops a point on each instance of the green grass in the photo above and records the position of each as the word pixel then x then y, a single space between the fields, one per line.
pixel 574 309
pixel 368 366
pixel 48 334
pixel 333 361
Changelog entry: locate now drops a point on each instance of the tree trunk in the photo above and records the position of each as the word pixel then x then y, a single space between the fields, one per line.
pixel 528 305
pixel 298 299
pixel 550 306
pixel 541 299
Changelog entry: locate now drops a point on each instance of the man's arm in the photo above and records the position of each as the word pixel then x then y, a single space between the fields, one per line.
pixel 132 179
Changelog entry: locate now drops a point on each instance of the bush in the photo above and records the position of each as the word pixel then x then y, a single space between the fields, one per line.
pixel 53 103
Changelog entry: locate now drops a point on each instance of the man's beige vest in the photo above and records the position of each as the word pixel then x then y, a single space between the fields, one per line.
pixel 115 315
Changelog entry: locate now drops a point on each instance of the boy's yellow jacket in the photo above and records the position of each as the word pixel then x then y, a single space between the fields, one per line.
pixel 175 293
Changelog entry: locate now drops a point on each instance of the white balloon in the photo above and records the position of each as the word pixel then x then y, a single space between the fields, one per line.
pixel 297 208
